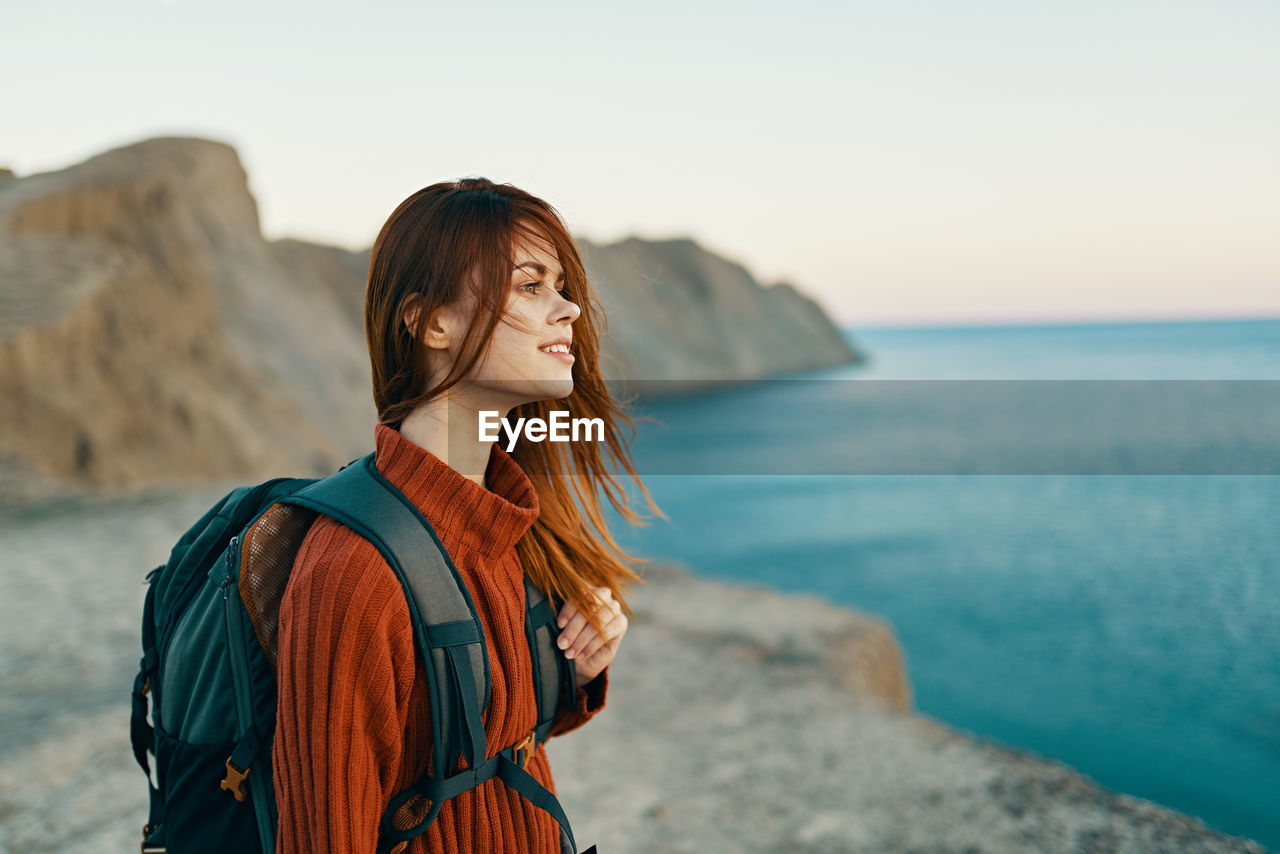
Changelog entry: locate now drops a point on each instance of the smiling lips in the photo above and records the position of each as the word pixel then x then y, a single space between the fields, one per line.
pixel 559 350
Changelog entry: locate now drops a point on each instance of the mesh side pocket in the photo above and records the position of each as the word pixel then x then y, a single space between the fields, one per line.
pixel 266 560
pixel 411 813
pixel 418 808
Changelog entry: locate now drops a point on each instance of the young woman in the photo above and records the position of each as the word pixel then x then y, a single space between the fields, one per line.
pixel 477 301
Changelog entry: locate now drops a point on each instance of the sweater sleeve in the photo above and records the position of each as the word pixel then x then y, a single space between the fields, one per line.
pixel 345 674
pixel 589 701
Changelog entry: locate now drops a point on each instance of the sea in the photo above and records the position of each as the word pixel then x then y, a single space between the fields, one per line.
pixel 1124 620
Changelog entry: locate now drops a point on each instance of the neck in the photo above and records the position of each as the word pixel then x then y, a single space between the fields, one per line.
pixel 448 427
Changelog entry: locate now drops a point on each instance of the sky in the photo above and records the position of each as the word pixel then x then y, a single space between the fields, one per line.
pixel 905 163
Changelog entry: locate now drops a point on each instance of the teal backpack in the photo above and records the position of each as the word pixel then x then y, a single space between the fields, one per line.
pixel 209 657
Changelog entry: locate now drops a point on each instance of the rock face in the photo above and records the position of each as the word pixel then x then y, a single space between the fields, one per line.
pixel 679 313
pixel 120 361
pixel 148 332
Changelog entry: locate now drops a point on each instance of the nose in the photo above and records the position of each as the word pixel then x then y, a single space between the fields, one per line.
pixel 565 309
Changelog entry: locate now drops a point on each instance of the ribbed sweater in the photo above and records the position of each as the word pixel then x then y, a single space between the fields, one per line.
pixel 354 719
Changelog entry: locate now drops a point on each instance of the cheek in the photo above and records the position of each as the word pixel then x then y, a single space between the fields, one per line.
pixel 513 346
pixel 519 330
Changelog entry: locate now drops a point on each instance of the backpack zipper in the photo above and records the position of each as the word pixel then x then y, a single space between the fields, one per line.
pixel 244 706
pixel 171 620
pixel 254 498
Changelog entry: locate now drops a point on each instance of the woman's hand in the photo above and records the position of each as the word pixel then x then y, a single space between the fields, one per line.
pixel 591 650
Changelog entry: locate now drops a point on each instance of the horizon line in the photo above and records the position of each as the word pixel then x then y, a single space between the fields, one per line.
pixel 996 323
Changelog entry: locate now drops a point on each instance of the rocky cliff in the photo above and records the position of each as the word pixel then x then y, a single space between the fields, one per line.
pixel 121 360
pixel 682 318
pixel 148 332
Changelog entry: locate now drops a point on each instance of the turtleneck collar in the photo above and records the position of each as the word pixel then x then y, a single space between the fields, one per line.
pixel 465 514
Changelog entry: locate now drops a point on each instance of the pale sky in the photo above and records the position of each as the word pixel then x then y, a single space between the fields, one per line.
pixel 903 162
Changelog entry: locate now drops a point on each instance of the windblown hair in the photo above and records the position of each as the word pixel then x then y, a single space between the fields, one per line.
pixel 432 245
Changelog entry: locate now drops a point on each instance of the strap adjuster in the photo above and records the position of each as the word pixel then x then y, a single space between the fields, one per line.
pixel 234 781
pixel 526 744
pixel 150 848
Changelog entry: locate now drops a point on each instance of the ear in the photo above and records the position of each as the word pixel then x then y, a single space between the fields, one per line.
pixel 436 332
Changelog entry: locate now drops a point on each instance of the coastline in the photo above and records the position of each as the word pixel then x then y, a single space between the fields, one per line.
pixel 791 738
pixel 739 719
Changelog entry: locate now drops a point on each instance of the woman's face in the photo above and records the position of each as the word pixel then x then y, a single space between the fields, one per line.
pixel 528 356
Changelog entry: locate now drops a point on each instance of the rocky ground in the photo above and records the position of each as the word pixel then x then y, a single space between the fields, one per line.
pixel 738 720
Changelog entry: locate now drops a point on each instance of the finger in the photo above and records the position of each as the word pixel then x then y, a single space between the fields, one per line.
pixel 607 615
pixel 575 649
pixel 607 607
pixel 571 630
pixel 566 614
pixel 605 597
pixel 576 619
pixel 612 630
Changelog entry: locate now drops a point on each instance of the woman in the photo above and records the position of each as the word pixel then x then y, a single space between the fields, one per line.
pixel 474 289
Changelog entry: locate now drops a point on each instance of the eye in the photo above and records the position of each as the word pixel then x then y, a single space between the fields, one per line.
pixel 532 288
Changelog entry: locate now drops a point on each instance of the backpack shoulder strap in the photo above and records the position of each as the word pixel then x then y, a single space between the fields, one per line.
pixel 450 638
pixel 445 622
pixel 554 676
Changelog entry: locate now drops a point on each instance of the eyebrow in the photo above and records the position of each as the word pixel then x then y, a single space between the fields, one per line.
pixel 539 269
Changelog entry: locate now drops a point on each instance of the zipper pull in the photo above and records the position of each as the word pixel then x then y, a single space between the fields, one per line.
pixel 226 577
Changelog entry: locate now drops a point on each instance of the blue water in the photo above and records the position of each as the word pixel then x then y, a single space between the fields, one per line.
pixel 1126 625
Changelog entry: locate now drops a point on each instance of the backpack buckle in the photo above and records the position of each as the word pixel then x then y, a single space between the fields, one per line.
pixel 148 847
pixel 525 744
pixel 234 781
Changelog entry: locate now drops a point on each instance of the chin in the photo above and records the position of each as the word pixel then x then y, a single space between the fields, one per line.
pixel 557 389
pixel 533 391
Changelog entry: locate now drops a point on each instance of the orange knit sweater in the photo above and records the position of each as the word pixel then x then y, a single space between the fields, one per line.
pixel 353 728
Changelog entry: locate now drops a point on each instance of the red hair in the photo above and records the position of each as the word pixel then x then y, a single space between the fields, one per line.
pixel 431 245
